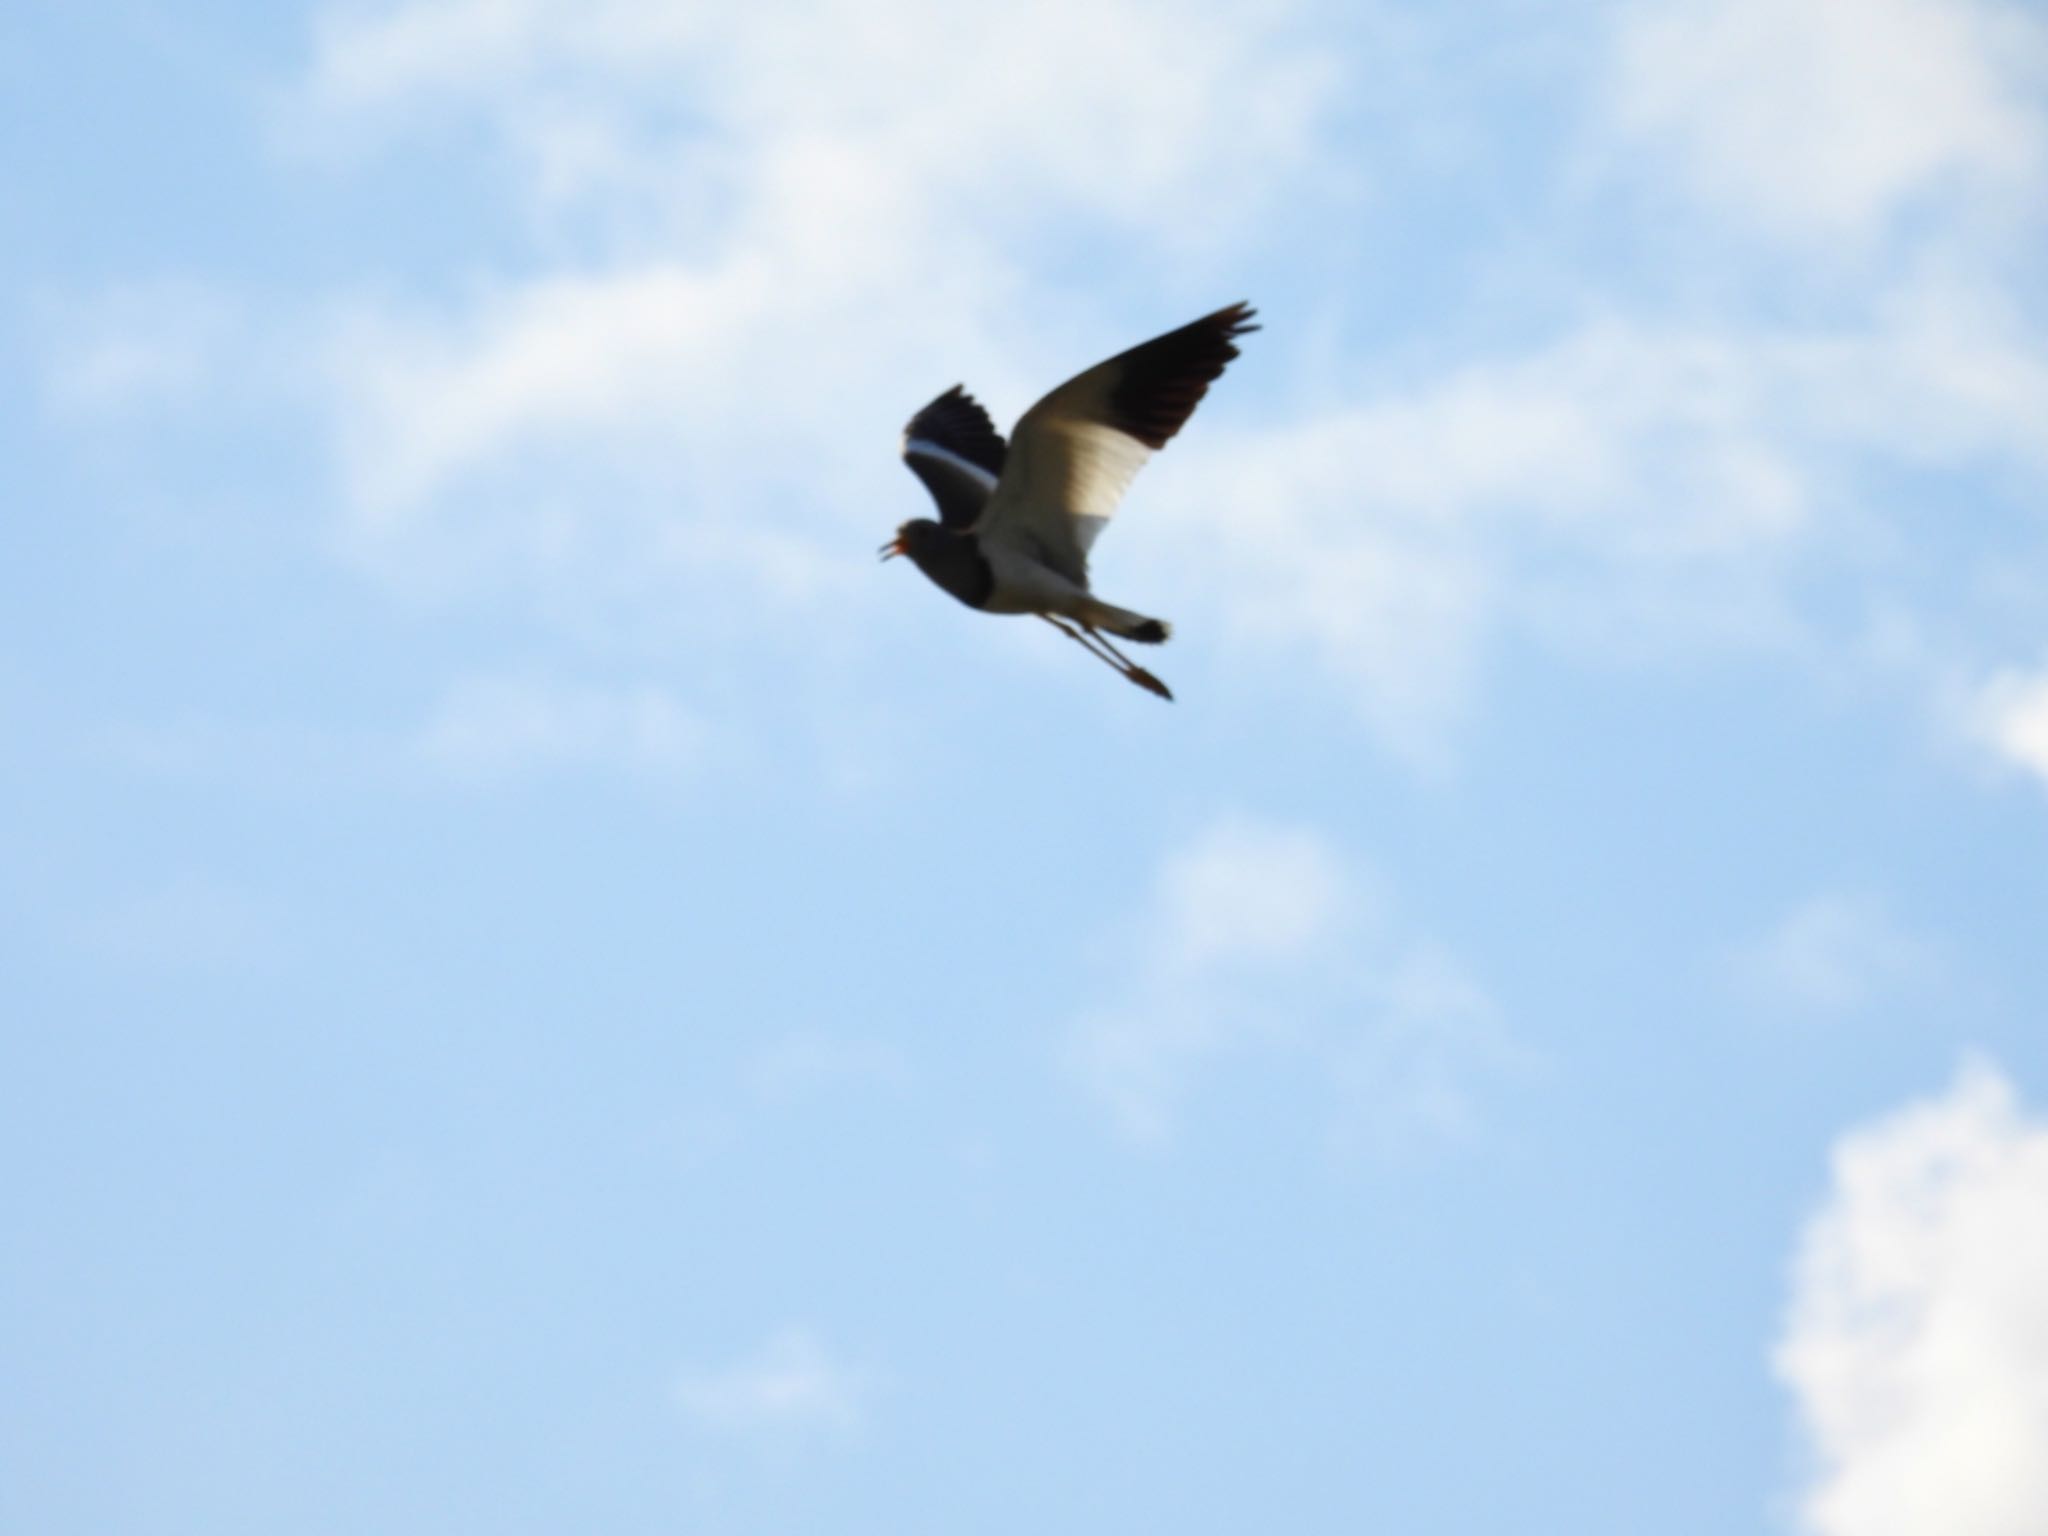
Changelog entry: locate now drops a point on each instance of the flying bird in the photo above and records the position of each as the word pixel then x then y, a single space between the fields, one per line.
pixel 1016 520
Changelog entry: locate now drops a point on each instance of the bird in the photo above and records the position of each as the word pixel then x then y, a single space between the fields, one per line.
pixel 1017 520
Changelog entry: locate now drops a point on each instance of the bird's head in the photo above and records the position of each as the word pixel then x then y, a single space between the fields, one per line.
pixel 913 536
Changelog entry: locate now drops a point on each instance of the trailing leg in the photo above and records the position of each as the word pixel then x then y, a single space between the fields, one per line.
pixel 1131 669
pixel 1096 646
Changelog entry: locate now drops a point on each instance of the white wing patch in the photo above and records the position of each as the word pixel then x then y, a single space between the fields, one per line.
pixel 1099 465
pixel 1077 450
pixel 922 448
pixel 1064 479
pixel 954 448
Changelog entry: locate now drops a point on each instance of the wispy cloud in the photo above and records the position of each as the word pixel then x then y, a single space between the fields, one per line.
pixel 816 222
pixel 516 727
pixel 1261 938
pixel 493 729
pixel 1121 104
pixel 1917 1342
pixel 154 347
pixel 2009 714
pixel 1824 119
pixel 1627 488
pixel 790 1383
pixel 670 407
pixel 1833 953
pixel 1639 480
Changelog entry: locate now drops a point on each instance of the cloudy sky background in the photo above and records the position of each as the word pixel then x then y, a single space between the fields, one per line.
pixel 545 991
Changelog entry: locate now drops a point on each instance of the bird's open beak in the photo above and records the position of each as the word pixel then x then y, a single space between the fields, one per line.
pixel 893 548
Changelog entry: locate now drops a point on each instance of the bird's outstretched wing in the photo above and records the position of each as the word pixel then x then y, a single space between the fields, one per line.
pixel 1074 453
pixel 956 451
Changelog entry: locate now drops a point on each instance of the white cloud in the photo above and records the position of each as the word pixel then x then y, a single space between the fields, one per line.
pixel 2011 717
pixel 816 189
pixel 1625 488
pixel 790 1383
pixel 761 256
pixel 1832 953
pixel 1105 102
pixel 1826 117
pixel 1259 937
pixel 1386 538
pixel 1917 1341
pixel 369 56
pixel 700 399
pixel 1246 894
pixel 515 727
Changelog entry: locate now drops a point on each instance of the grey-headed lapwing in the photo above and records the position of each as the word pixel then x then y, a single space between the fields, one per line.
pixel 1016 521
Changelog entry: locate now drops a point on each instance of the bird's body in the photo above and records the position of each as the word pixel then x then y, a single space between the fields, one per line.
pixel 997 576
pixel 1017 519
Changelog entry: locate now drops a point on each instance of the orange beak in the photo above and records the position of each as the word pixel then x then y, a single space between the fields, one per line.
pixel 893 548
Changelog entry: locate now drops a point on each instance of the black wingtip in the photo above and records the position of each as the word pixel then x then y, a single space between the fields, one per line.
pixel 956 422
pixel 1160 382
pixel 1151 632
pixel 1238 317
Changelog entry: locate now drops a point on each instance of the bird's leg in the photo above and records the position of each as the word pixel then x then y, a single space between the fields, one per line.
pixel 1075 635
pixel 1131 669
pixel 1137 675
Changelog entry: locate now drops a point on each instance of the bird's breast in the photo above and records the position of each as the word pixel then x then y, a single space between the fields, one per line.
pixel 958 566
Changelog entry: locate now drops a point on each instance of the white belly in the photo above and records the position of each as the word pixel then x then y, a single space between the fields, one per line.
pixel 1025 586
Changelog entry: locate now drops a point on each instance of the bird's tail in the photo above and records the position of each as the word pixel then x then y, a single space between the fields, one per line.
pixel 1124 624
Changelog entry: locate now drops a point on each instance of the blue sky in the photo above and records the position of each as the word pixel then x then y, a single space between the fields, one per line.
pixel 546 991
